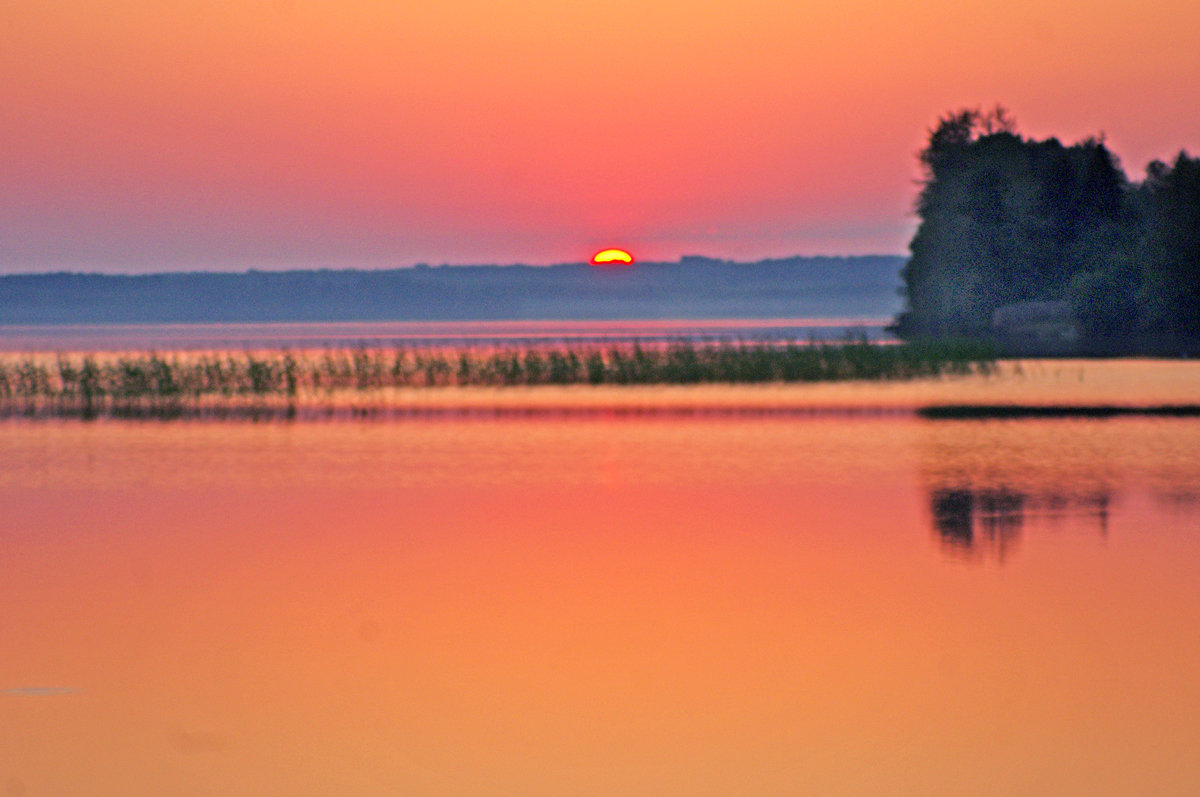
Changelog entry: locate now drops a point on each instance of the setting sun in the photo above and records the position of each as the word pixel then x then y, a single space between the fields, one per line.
pixel 612 257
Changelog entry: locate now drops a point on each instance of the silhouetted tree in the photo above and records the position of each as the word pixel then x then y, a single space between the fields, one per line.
pixel 1005 219
pixel 1170 248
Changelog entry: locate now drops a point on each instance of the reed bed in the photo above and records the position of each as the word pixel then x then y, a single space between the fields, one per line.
pixel 184 383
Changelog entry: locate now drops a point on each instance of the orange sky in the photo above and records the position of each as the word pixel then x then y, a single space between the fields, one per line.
pixel 146 135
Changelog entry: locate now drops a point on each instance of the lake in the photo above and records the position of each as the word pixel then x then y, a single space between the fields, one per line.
pixel 100 337
pixel 772 605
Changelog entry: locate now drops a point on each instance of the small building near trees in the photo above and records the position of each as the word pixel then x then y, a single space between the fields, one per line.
pixel 1036 328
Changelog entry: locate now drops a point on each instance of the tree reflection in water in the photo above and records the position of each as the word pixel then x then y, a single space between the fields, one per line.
pixel 972 521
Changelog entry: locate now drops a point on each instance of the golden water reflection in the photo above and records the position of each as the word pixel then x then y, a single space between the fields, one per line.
pixel 986 481
pixel 589 606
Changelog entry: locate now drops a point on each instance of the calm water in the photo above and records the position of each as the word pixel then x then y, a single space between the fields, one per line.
pixel 90 337
pixel 572 606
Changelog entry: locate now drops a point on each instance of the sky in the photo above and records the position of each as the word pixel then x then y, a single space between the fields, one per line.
pixel 217 134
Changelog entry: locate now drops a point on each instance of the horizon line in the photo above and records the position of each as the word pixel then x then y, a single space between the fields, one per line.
pixel 424 266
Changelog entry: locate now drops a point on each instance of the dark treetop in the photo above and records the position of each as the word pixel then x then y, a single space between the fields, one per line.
pixel 1007 221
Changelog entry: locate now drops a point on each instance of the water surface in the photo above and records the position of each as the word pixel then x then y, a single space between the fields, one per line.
pixel 660 605
pixel 115 337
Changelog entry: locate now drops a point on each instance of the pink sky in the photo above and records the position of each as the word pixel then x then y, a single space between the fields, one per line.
pixel 150 136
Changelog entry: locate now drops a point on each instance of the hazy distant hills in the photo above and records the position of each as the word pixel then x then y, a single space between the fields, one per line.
pixel 695 288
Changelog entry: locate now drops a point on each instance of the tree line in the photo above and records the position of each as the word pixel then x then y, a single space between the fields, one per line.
pixel 1006 219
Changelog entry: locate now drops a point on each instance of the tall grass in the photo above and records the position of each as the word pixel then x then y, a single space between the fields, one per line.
pixel 92 384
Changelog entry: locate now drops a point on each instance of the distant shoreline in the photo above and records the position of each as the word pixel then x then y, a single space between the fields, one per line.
pixel 695 288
